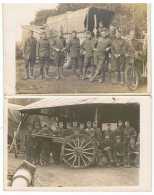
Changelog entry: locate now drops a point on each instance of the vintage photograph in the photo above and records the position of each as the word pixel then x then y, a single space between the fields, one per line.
pixel 80 48
pixel 77 142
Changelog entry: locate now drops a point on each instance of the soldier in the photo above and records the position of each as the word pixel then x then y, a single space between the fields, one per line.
pixel 37 144
pixel 109 132
pixel 45 145
pixel 132 152
pixel 75 128
pixel 82 129
pixel 112 32
pixel 87 46
pixel 133 49
pixel 29 54
pixel 119 131
pixel 106 147
pixel 60 129
pixel 103 45
pixel 73 48
pixel 96 133
pixel 128 133
pixel 43 51
pixel 118 58
pixel 29 145
pixel 100 28
pixel 69 131
pixel 88 130
pixel 58 45
pixel 119 152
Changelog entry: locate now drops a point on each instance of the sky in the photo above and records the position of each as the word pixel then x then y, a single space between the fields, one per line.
pixel 23 14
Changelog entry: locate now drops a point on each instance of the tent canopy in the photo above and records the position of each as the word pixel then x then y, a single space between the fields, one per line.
pixel 80 20
pixel 72 101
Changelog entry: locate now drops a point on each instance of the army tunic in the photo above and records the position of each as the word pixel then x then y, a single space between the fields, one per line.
pixel 128 132
pixel 106 146
pixel 100 53
pixel 111 35
pixel 87 46
pixel 119 151
pixel 118 47
pixel 119 132
pixel 73 48
pixel 29 147
pixel 59 56
pixel 110 133
pixel 97 134
pixel 132 151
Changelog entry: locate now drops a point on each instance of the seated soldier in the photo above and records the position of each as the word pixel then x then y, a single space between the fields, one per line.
pixel 69 130
pixel 119 152
pixel 45 129
pixel 132 152
pixel 109 132
pixel 106 147
pixel 59 130
pixel 88 130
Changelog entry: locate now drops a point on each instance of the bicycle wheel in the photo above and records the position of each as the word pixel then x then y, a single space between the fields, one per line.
pixel 132 78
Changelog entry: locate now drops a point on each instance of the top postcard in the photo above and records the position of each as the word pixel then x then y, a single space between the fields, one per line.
pixel 77 49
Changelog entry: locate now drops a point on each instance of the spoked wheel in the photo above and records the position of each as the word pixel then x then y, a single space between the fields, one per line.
pixel 132 78
pixel 78 151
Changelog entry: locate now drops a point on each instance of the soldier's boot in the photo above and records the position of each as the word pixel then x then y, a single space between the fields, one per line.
pixel 58 75
pixel 122 78
pixel 61 72
pixel 112 77
pixel 116 80
pixel 84 74
pixel 46 73
pixel 102 77
pixel 31 73
pixel 41 73
pixel 95 75
pixel 81 73
pixel 92 72
pixel 27 74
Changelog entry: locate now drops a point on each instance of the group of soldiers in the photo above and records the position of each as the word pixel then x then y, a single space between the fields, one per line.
pixel 118 147
pixel 108 48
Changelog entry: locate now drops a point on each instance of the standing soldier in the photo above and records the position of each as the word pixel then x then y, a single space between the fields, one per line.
pixel 118 58
pixel 58 45
pixel 96 133
pixel 109 132
pixel 128 133
pixel 103 45
pixel 119 131
pixel 88 130
pixel 73 48
pixel 69 130
pixel 133 48
pixel 112 32
pixel 29 54
pixel 43 52
pixel 75 128
pixel 100 28
pixel 82 129
pixel 87 46
pixel 29 145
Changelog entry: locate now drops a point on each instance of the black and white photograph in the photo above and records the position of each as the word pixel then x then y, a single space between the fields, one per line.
pixel 77 142
pixel 77 48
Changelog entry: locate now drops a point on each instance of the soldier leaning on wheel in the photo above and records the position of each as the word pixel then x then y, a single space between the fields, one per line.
pixel 58 45
pixel 118 58
pixel 29 54
pixel 73 48
pixel 101 46
pixel 87 47
pixel 43 53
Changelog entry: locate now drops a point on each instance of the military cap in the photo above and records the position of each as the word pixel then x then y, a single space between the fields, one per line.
pixel 120 121
pixel 74 122
pixel 132 138
pixel 89 123
pixel 106 135
pixel 61 123
pixel 95 123
pixel 100 22
pixel 81 123
pixel 29 127
pixel 118 137
pixel 74 31
pixel 127 122
pixel 104 30
pixel 112 24
pixel 109 124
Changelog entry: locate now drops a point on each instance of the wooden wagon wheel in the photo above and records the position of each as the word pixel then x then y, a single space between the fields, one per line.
pixel 79 151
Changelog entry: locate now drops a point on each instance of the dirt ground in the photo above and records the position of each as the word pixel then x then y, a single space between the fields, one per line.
pixel 66 85
pixel 63 176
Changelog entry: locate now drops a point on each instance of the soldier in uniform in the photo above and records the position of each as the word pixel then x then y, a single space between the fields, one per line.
pixel 43 53
pixel 109 132
pixel 100 28
pixel 119 131
pixel 29 54
pixel 128 133
pixel 73 48
pixel 87 46
pixel 58 45
pixel 75 128
pixel 88 130
pixel 118 58
pixel 37 144
pixel 106 147
pixel 132 152
pixel 29 145
pixel 119 152
pixel 82 129
pixel 69 131
pixel 103 46
pixel 133 49
pixel 96 133
pixel 112 32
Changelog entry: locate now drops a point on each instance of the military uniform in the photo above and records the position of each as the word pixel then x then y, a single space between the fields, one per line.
pixel 97 134
pixel 128 133
pixel 30 54
pixel 132 152
pixel 87 46
pixel 59 56
pixel 37 147
pixel 43 52
pixel 110 133
pixel 119 132
pixel 29 147
pixel 99 30
pixel 45 151
pixel 106 147
pixel 100 54
pixel 73 47
pixel 118 64
pixel 111 35
pixel 119 153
